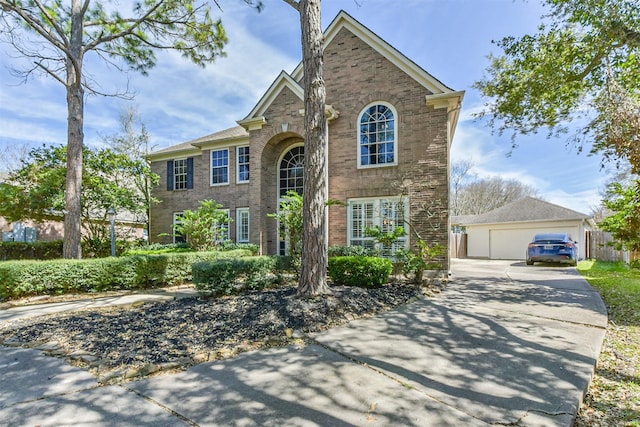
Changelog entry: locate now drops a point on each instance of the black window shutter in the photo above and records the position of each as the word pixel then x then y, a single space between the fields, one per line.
pixel 170 175
pixel 190 172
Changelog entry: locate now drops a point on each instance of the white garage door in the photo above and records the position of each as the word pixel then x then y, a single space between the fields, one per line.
pixel 512 244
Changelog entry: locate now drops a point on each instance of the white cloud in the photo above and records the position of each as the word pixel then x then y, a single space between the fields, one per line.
pixel 583 201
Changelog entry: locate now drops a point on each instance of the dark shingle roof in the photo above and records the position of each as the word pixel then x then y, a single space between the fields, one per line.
pixel 526 209
pixel 234 132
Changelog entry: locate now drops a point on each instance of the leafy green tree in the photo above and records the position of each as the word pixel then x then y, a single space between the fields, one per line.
pixel 36 190
pixel 133 142
pixel 583 62
pixel 206 227
pixel 290 220
pixel 624 221
pixel 61 35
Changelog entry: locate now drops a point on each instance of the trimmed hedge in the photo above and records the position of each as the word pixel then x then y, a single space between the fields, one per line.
pixel 25 278
pixel 363 272
pixel 231 276
pixel 35 250
pixel 338 250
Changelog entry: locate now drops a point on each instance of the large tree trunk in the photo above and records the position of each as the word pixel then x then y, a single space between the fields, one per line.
pixel 313 275
pixel 75 137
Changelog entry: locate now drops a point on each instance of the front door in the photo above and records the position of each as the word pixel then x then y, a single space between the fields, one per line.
pixel 290 178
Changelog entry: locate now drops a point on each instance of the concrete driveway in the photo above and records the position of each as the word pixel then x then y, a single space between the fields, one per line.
pixel 504 344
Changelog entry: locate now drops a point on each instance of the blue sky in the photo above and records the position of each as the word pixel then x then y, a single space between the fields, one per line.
pixel 179 101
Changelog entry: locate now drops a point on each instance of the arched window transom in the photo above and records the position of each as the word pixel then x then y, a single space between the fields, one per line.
pixel 292 171
pixel 377 136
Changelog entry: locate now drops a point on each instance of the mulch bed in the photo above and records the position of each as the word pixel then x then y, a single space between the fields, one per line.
pixel 121 343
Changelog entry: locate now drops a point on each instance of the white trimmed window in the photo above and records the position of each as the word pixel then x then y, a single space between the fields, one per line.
pixel 291 171
pixel 221 230
pixel 242 167
pixel 220 166
pixel 387 213
pixel 180 174
pixel 177 237
pixel 377 136
pixel 242 225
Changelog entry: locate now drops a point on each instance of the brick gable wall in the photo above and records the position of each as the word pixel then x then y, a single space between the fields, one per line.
pixel 356 75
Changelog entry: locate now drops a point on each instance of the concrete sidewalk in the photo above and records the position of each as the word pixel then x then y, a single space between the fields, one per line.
pixel 33 310
pixel 504 344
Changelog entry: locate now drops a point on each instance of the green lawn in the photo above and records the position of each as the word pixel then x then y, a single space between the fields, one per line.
pixel 614 395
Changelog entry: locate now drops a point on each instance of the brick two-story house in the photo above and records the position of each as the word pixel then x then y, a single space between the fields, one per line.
pixel 390 129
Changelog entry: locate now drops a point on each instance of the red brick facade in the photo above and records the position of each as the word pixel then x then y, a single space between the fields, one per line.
pixel 360 69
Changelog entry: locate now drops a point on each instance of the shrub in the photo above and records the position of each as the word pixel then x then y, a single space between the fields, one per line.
pixel 229 276
pixel 177 267
pixel 424 257
pixel 204 228
pixel 290 219
pixel 232 246
pixel 24 278
pixel 100 248
pixel 364 272
pixel 35 250
pixel 158 248
pixel 338 250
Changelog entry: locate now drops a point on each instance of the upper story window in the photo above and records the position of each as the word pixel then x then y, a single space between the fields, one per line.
pixel 377 136
pixel 180 174
pixel 242 168
pixel 220 166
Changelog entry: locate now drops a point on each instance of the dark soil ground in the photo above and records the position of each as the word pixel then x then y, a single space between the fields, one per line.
pixel 121 343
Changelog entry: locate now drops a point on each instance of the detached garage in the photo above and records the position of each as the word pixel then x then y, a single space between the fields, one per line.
pixel 504 233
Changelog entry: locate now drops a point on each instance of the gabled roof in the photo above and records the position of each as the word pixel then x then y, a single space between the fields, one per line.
pixel 523 210
pixel 344 20
pixel 283 80
pixel 441 96
pixel 193 147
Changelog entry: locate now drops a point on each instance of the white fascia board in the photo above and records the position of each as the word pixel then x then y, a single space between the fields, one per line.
pixel 224 142
pixel 344 20
pixel 283 80
pixel 452 101
pixel 178 154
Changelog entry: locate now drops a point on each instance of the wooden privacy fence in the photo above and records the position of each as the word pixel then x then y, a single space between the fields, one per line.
pixel 600 248
pixel 457 245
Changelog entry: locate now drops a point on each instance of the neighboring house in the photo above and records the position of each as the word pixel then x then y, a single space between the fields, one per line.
pixel 390 129
pixel 505 232
pixel 44 231
pixel 53 229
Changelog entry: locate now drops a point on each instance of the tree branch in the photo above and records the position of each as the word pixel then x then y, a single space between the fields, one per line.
pixel 294 4
pixel 51 73
pixel 37 26
pixel 51 21
pixel 126 32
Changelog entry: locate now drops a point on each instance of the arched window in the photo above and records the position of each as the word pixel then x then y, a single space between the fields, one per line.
pixel 291 171
pixel 377 136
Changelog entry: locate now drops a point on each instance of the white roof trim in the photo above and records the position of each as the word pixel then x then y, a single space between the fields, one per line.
pixel 449 100
pixel 178 154
pixel 253 123
pixel 330 112
pixel 344 20
pixel 283 80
